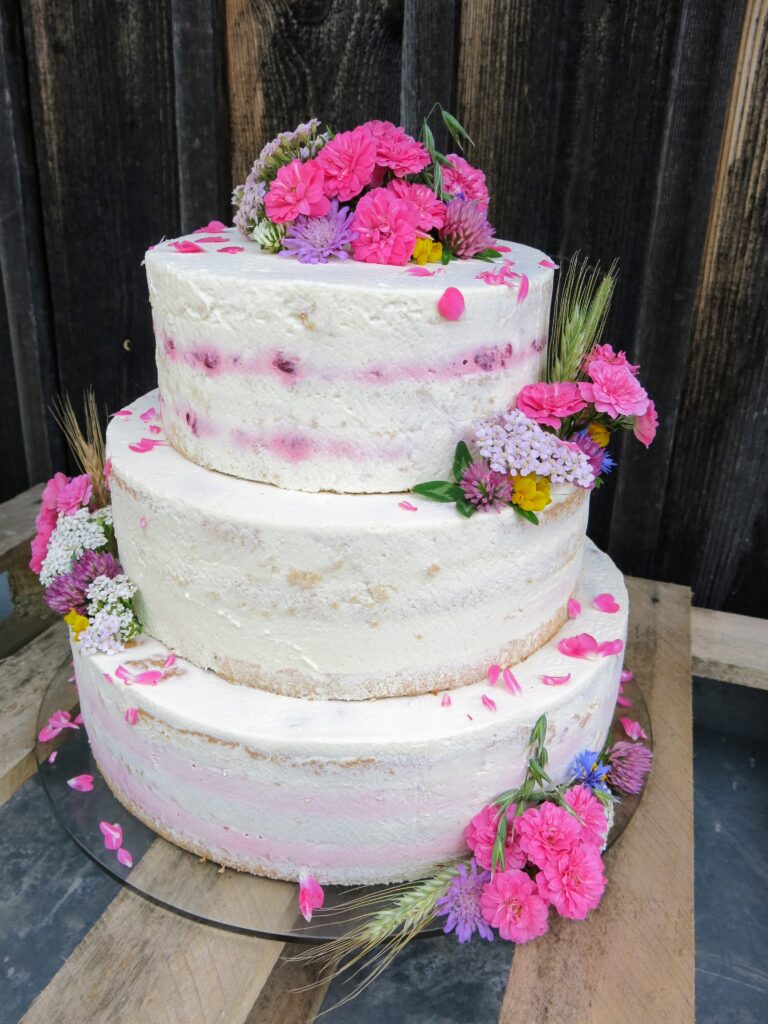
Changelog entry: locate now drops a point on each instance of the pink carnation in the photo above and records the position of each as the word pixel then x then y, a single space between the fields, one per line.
pixel 298 188
pixel 431 209
pixel 347 162
pixel 594 824
pixel 605 354
pixel 481 835
pixel 511 903
pixel 75 495
pixel 463 177
pixel 400 152
pixel 45 521
pixel 386 228
pixel 646 424
pixel 550 403
pixel 614 390
pixel 573 882
pixel 546 832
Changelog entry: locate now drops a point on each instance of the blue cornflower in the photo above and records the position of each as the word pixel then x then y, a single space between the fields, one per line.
pixel 588 769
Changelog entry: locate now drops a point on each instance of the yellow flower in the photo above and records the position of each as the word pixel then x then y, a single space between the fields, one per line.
pixel 531 492
pixel 76 622
pixel 599 432
pixel 427 251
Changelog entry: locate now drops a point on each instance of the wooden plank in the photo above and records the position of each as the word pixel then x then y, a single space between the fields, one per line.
pixel 633 958
pixel 17 521
pixel 23 680
pixel 289 60
pixel 731 648
pixel 430 39
pixel 717 496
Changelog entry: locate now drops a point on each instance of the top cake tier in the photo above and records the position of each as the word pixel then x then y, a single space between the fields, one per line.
pixel 340 377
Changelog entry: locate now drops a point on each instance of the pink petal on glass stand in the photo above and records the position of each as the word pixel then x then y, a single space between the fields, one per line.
pixel 555 680
pixel 420 272
pixel 212 225
pixel 113 835
pixel 623 701
pixel 606 603
pixel 149 414
pixel 407 506
pixel 609 647
pixel 574 608
pixel 82 783
pixel 583 645
pixel 493 674
pixel 132 715
pixel 311 895
pixel 186 246
pixel 71 679
pixel 446 701
pixel 627 675
pixel 548 264
pixel 511 683
pixel 77 720
pixel 489 703
pixel 633 729
pixel 52 756
pixel 231 249
pixel 124 857
pixel 450 305
pixel 213 238
pixel 59 719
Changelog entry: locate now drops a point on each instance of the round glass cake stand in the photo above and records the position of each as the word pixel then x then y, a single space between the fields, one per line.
pixel 189 885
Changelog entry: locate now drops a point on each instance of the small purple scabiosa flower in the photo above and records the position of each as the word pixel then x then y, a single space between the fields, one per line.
pixel 629 764
pixel 315 239
pixel 461 904
pixel 69 591
pixel 588 769
pixel 599 459
pixel 466 230
pixel 484 488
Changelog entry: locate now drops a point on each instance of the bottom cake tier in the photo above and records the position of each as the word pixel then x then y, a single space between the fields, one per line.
pixel 354 791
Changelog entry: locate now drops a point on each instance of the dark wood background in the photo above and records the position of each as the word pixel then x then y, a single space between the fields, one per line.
pixel 624 128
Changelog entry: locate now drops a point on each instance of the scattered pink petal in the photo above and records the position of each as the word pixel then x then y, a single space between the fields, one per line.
pixel 131 715
pixel 186 246
pixel 493 674
pixel 627 675
pixel 78 719
pixel 154 429
pixel 122 673
pixel 446 701
pixel 583 645
pixel 145 444
pixel 609 647
pixel 311 895
pixel 212 225
pixel 511 683
pixel 113 834
pixel 82 783
pixel 124 857
pixel 149 678
pixel 504 275
pixel 143 522
pixel 213 238
pixel 450 305
pixel 231 249
pixel 52 756
pixel 149 414
pixel 574 608
pixel 59 720
pixel 107 676
pixel 621 700
pixel 555 680
pixel 170 661
pixel 633 729
pixel 522 291
pixel 489 703
pixel 548 264
pixel 420 272
pixel 606 603
pixel 71 679
pixel 107 472
pixel 501 248
pixel 407 506
pixel 123 412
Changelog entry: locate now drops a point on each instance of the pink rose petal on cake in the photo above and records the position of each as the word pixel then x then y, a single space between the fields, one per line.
pixel 154 429
pixel 420 272
pixel 131 715
pixel 606 603
pixel 450 305
pixel 583 645
pixel 170 661
pixel 113 834
pixel 124 857
pixel 501 248
pixel 52 756
pixel 511 683
pixel 633 729
pixel 122 673
pixel 213 238
pixel 82 783
pixel 212 225
pixel 145 444
pixel 493 674
pixel 489 703
pixel 555 680
pixel 107 676
pixel 149 414
pixel 149 678
pixel 123 412
pixel 574 608
pixel 522 291
pixel 446 701
pixel 548 264
pixel 143 522
pixel 609 647
pixel 186 246
pixel 311 895
pixel 407 506
pixel 627 675
pixel 232 249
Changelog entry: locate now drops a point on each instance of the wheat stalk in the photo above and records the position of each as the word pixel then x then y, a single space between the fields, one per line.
pixel 87 445
pixel 582 302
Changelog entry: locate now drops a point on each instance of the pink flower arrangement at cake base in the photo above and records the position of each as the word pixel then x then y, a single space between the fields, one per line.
pixel 512 904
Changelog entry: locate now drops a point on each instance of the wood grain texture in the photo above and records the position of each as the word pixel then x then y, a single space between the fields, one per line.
pixel 632 960
pixel 430 46
pixel 718 488
pixel 289 60
pixel 102 92
pixel 730 648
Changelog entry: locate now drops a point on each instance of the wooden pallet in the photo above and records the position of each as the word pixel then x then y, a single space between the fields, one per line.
pixel 632 960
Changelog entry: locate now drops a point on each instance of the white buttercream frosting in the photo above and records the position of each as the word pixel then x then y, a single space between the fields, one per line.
pixel 341 377
pixel 332 595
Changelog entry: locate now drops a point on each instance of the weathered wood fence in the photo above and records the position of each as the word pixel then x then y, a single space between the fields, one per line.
pixel 626 128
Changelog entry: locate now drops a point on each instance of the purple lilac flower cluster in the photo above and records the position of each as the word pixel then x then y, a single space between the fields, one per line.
pixel 518 446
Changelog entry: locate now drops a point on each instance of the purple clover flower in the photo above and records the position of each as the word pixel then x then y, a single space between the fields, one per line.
pixel 466 230
pixel 315 239
pixel 70 590
pixel 484 487
pixel 461 904
pixel 629 764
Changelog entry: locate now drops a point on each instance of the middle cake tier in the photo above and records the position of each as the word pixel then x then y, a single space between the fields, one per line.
pixel 326 595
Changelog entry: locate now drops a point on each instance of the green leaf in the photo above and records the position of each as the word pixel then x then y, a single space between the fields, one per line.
pixel 466 508
pixel 447 256
pixel 457 130
pixel 439 490
pixel 524 512
pixel 487 254
pixel 462 460
pixel 428 138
